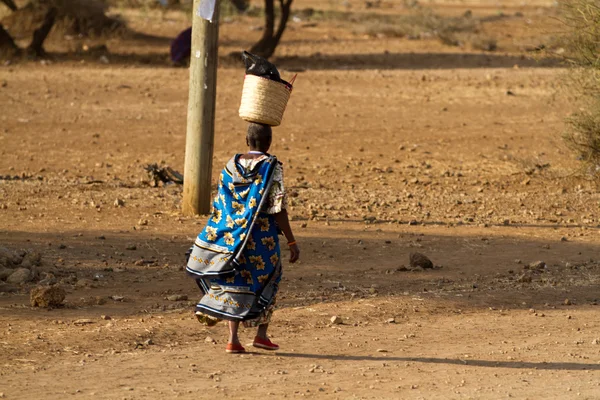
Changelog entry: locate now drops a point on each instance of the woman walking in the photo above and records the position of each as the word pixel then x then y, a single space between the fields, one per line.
pixel 236 259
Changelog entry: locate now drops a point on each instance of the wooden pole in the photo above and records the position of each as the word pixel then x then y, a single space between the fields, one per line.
pixel 199 139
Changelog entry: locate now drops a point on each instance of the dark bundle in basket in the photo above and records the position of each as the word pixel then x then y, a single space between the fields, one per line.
pixel 256 65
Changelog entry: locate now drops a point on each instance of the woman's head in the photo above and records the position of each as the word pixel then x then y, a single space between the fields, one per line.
pixel 259 137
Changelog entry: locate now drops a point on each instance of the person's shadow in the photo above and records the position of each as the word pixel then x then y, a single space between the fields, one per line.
pixel 567 366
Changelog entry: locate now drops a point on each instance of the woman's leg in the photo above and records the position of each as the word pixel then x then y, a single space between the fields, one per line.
pixel 262 331
pixel 233 332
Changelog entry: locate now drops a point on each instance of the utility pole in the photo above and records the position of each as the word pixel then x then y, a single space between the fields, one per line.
pixel 199 140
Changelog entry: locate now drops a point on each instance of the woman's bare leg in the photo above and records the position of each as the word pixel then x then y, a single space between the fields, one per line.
pixel 233 332
pixel 262 331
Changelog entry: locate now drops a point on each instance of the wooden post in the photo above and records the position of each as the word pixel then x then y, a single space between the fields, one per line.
pixel 201 114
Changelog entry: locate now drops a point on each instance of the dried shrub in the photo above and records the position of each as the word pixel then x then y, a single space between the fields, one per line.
pixel 582 52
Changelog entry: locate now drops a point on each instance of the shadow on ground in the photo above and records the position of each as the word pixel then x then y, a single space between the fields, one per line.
pixel 551 366
pixel 389 61
pixel 473 270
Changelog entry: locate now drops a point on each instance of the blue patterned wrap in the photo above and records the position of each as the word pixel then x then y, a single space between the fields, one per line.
pixel 236 257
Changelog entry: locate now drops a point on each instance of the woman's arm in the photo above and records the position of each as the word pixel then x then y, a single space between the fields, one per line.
pixel 284 224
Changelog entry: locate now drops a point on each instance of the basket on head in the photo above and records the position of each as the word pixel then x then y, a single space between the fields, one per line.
pixel 264 100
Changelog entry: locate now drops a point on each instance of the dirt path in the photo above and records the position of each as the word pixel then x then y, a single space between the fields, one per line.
pixel 390 146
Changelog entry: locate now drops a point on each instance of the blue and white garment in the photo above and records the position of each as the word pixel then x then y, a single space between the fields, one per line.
pixel 236 257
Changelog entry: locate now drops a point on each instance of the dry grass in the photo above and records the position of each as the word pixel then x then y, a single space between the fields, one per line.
pixel 582 44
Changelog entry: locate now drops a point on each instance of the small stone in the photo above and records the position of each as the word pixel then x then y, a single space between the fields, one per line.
pixel 391 321
pixel 564 239
pixel 596 341
pixel 131 247
pixel 117 298
pixel 32 258
pixel 537 266
pixel 119 203
pixel 20 276
pixel 105 317
pixel 335 320
pixel 82 322
pixel 524 279
pixel 149 342
pixel 418 260
pixel 47 296
pixel 382 351
pixel 303 225
pixel 210 340
pixel 8 258
pixel 143 222
pixel 177 297
pixel 567 302
pixel 85 283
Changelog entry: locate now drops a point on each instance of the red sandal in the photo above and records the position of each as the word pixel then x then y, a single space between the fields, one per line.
pixel 265 344
pixel 235 348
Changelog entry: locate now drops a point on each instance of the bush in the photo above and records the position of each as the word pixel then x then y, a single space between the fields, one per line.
pixel 582 52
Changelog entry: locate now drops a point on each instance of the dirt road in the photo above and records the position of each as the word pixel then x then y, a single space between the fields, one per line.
pixel 390 146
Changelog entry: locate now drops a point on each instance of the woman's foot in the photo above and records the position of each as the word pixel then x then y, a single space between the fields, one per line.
pixel 235 348
pixel 264 343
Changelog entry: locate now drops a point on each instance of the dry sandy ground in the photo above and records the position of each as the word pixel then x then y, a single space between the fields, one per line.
pixel 446 151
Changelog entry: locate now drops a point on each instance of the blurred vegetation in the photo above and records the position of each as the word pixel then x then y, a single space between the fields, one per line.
pixel 582 52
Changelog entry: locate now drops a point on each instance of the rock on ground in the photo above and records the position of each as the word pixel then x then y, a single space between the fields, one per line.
pixel 32 259
pixel 5 273
pixel 7 258
pixel 19 276
pixel 47 296
pixel 420 260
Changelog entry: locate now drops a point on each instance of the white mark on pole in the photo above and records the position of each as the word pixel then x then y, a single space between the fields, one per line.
pixel 198 53
pixel 205 86
pixel 206 9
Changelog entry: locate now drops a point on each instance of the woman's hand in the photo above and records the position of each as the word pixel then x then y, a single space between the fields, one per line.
pixel 294 253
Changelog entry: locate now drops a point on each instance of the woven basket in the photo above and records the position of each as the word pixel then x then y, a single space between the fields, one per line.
pixel 264 100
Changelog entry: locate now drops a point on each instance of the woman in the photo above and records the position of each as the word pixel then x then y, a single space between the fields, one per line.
pixel 236 259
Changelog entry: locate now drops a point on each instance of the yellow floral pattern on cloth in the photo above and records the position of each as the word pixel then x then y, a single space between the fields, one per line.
pixel 252 203
pixel 276 200
pixel 243 222
pixel 269 242
pixel 230 223
pixel 229 239
pixel 211 234
pixel 258 261
pixel 251 245
pixel 247 275
pixel 217 216
pixel 263 223
pixel 274 259
pixel 238 207
pixel 244 194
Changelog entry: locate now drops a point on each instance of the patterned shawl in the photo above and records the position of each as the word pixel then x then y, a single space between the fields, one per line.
pixel 217 251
